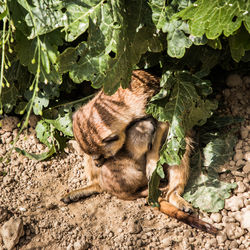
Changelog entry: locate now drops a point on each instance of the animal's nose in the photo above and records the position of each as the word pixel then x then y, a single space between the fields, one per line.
pixel 98 160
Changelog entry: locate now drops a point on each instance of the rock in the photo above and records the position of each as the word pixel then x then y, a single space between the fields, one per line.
pixel 246 168
pixel 240 163
pixel 245 220
pixel 33 120
pixel 221 237
pixel 9 123
pixel 3 214
pixel 241 188
pixel 233 231
pixel 247 156
pixel 134 227
pixel 11 232
pixel 79 245
pixel 238 155
pixel 244 133
pixel 239 145
pixel 234 203
pixel 233 244
pixel 167 242
pixel 246 80
pixel 237 173
pixel 226 93
pixel 234 80
pixel 216 217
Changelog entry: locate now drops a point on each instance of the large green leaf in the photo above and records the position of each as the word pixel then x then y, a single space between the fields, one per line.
pixel 214 17
pixel 178 38
pixel 180 103
pixel 204 190
pixel 118 35
pixel 44 16
pixel 183 109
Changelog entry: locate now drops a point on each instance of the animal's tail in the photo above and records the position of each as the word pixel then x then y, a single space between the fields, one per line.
pixel 172 211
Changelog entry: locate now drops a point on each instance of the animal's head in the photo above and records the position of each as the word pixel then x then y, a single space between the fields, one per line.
pixel 139 137
pixel 100 127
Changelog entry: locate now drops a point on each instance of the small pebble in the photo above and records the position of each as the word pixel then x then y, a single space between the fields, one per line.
pixel 233 231
pixel 221 237
pixel 246 168
pixel 238 155
pixel 234 203
pixel 216 217
pixel 234 80
pixel 247 156
pixel 244 133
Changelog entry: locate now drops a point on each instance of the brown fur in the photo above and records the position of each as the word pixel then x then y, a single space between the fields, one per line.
pixel 104 118
pixel 125 174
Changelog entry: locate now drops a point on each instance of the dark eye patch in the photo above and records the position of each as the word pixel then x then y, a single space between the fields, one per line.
pixel 111 138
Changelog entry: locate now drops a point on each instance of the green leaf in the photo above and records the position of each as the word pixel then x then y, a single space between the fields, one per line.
pixel 46 92
pixel 207 193
pixel 180 103
pixel 37 157
pixel 239 44
pixel 42 16
pixel 204 190
pixel 118 35
pixel 178 41
pixel 60 117
pixel 63 122
pixel 217 122
pixel 27 53
pixel 153 185
pixel 214 17
pixel 3 14
pixel 44 133
pixel 40 101
pixel 218 151
pixel 9 98
pixel 178 38
pixel 183 109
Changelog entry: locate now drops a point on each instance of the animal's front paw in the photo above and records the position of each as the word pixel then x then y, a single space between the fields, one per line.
pixel 180 203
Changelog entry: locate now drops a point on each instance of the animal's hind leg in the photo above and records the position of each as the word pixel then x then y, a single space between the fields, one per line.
pixel 93 188
pixel 177 180
pixel 93 174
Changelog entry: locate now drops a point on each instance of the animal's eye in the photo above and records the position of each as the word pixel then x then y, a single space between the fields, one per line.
pixel 111 138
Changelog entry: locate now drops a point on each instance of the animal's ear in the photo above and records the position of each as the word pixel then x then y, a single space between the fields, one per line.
pixel 111 138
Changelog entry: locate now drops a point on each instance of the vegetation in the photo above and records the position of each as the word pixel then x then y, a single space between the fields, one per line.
pixel 52 50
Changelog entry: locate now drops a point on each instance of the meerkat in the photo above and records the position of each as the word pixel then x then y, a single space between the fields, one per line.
pixel 123 175
pixel 100 129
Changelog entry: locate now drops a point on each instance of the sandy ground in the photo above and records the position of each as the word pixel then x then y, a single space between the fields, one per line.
pixel 32 191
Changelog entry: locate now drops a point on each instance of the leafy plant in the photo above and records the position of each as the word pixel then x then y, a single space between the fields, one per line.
pixel 204 189
pixel 53 50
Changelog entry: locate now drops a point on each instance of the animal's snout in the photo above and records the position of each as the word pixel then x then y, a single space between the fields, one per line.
pixel 98 160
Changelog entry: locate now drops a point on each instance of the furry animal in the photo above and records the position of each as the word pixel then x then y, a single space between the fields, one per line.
pixel 123 175
pixel 100 128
